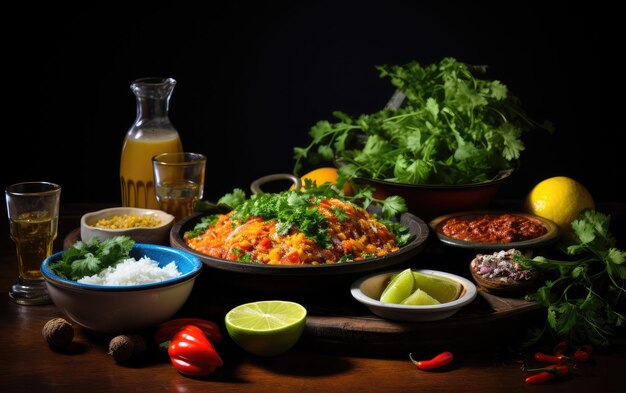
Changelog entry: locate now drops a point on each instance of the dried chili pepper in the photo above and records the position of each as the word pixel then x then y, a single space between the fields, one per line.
pixel 545 358
pixel 167 330
pixel 561 347
pixel 583 353
pixel 581 356
pixel 192 353
pixel 548 373
pixel 440 360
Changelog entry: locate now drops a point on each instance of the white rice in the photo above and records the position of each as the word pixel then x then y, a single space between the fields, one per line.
pixel 133 272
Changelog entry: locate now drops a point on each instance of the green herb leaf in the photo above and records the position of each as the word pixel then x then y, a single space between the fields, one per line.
pixel 583 299
pixel 452 128
pixel 86 258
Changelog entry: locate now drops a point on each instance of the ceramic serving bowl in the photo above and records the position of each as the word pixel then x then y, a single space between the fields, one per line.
pixel 550 236
pixel 498 273
pixel 431 200
pixel 299 278
pixel 124 309
pixel 367 290
pixel 158 234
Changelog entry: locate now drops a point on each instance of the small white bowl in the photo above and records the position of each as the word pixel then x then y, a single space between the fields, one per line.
pixel 367 290
pixel 150 235
pixel 125 309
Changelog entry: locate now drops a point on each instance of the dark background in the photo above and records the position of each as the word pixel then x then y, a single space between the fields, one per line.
pixel 253 78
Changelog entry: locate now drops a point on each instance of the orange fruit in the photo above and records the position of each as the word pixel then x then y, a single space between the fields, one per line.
pixel 559 199
pixel 324 175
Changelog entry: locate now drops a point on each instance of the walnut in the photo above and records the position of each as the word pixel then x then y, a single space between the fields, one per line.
pixel 125 346
pixel 58 333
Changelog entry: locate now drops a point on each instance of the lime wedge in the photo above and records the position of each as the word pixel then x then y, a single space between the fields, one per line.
pixel 399 288
pixel 420 298
pixel 266 328
pixel 442 288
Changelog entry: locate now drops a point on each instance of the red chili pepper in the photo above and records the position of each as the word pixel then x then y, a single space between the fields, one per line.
pixel 548 373
pixel 586 348
pixel 581 356
pixel 561 347
pixel 440 360
pixel 545 358
pixel 168 329
pixel 192 353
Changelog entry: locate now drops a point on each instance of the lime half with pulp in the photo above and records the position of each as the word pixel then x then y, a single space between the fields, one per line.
pixel 266 328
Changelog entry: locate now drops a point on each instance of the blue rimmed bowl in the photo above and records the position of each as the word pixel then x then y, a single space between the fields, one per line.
pixel 124 309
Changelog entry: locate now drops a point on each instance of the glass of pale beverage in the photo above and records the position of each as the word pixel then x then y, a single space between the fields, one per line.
pixel 179 182
pixel 33 210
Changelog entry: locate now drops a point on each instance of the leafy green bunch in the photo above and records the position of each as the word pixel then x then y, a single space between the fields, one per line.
pixel 86 258
pixel 585 295
pixel 452 128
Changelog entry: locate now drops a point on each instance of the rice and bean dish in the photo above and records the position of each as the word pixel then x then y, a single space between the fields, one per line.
pixel 293 229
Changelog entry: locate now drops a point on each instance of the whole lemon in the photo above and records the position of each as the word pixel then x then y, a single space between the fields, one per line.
pixel 323 175
pixel 559 199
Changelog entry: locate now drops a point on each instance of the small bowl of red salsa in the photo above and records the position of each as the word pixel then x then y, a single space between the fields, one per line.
pixel 496 230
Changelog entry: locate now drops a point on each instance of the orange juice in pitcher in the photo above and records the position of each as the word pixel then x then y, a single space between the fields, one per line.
pixel 151 134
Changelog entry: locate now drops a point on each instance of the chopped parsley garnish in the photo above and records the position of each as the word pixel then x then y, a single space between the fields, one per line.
pixel 299 209
pixel 340 213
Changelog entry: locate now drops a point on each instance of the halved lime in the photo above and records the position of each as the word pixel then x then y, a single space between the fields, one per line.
pixel 399 288
pixel 420 298
pixel 442 288
pixel 266 328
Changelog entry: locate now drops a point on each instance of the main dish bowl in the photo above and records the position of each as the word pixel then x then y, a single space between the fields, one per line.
pixel 367 290
pixel 550 235
pixel 431 200
pixel 124 309
pixel 154 234
pixel 300 278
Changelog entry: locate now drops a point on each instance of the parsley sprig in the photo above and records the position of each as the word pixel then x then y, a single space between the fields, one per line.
pixel 453 128
pixel 586 293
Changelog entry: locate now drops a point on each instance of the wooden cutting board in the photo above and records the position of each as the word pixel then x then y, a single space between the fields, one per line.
pixel 338 323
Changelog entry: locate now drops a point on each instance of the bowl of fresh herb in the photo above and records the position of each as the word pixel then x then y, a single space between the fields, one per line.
pixel 445 142
pixel 119 286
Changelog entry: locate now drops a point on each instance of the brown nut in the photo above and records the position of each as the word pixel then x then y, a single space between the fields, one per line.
pixel 58 333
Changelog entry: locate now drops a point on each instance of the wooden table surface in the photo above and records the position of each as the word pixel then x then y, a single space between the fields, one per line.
pixel 27 364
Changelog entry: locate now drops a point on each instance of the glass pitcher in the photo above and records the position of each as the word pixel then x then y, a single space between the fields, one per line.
pixel 152 133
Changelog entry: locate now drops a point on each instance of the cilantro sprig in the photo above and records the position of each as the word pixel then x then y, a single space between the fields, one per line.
pixel 86 258
pixel 585 294
pixel 453 128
